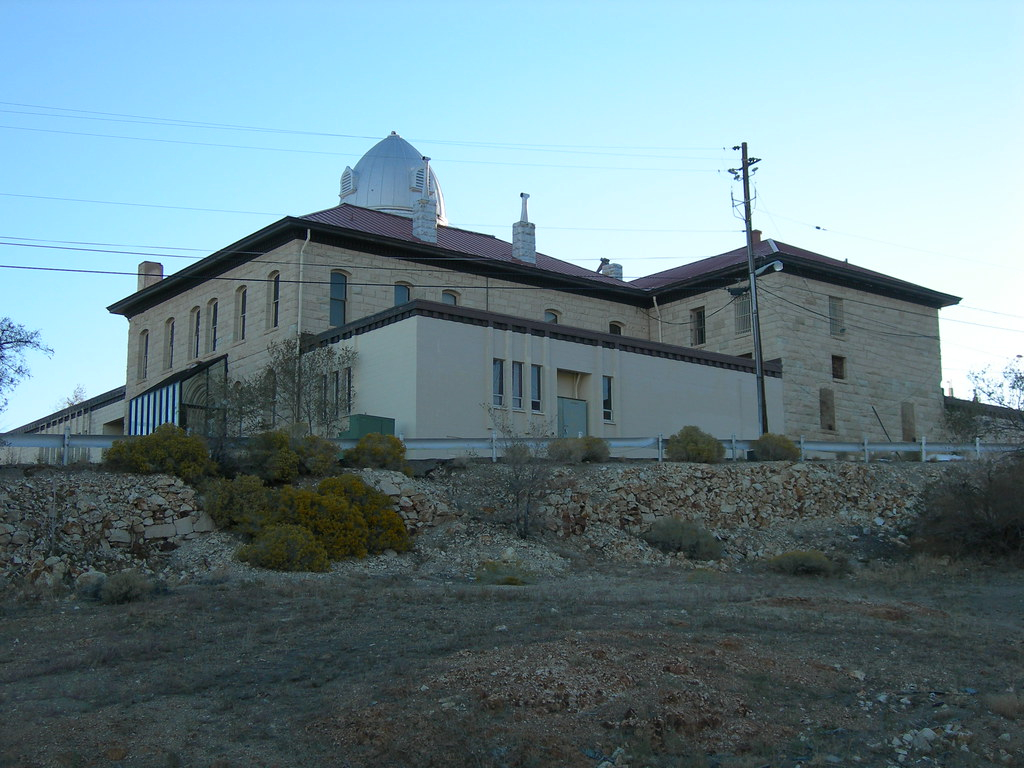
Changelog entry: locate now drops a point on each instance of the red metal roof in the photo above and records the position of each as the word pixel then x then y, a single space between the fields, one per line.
pixel 448 238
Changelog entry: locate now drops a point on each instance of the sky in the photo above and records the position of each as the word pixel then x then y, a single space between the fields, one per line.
pixel 132 131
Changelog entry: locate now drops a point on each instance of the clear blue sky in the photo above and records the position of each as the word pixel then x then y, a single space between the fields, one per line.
pixel 888 133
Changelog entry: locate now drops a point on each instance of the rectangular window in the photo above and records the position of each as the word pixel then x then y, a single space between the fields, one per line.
pixel 535 399
pixel 836 324
pixel 169 349
pixel 742 307
pixel 240 333
pixel 197 332
pixel 143 354
pixel 827 409
pixel 606 397
pixel 838 367
pixel 213 327
pixel 498 382
pixel 517 385
pixel 275 302
pixel 698 329
pixel 339 295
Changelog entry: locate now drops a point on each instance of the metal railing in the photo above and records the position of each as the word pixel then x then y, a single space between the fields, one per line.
pixel 64 445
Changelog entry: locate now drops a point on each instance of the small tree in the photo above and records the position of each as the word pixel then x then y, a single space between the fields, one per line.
pixel 1005 391
pixel 15 341
pixel 525 475
pixel 310 389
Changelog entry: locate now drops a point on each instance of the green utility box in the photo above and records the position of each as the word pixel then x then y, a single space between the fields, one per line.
pixel 362 424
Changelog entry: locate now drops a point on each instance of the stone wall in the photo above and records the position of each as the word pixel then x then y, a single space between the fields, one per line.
pixel 57 524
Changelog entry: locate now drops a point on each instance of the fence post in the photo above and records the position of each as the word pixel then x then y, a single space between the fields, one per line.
pixel 66 448
pixel 977 448
pixel 802 448
pixel 865 449
pixel 924 451
pixel 494 447
pixel 661 447
pixel 733 449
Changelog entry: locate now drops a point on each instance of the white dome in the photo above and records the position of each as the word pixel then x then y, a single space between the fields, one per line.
pixel 390 178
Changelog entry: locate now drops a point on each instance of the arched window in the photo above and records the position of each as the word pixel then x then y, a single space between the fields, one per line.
pixel 273 300
pixel 339 298
pixel 450 297
pixel 143 354
pixel 241 299
pixel 169 344
pixel 403 293
pixel 550 316
pixel 212 313
pixel 615 329
pixel 195 332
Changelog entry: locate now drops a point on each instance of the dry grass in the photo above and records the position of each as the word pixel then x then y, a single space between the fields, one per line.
pixel 673 668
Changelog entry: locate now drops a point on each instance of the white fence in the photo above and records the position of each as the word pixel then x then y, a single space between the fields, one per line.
pixel 69 447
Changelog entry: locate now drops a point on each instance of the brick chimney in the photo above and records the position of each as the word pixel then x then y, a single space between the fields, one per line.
pixel 150 273
pixel 524 237
pixel 755 236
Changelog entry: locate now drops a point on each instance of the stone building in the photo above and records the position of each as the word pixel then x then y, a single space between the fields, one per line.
pixel 453 330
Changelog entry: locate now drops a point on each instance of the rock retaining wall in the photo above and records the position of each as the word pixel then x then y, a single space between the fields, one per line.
pixel 57 524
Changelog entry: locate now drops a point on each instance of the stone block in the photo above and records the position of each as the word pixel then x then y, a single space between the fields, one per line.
pixel 204 523
pixel 119 536
pixel 164 531
pixel 183 525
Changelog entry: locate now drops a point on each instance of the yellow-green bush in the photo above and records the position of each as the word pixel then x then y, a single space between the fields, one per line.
pixel 574 450
pixel 377 451
pixel 270 455
pixel 503 573
pixel 244 503
pixel 670 534
pixel 772 447
pixel 805 563
pixel 694 444
pixel 333 520
pixel 286 548
pixel 385 527
pixel 168 449
pixel 317 456
pixel 126 587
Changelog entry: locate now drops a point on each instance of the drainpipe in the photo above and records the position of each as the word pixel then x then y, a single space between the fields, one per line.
pixel 657 309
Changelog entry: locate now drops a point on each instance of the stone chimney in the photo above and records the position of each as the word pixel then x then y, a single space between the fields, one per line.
pixel 755 236
pixel 524 237
pixel 608 269
pixel 424 214
pixel 150 273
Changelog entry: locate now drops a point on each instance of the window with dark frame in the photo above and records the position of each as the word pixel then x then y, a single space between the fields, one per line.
pixel 339 298
pixel 535 388
pixel 698 327
pixel 838 367
pixel 498 382
pixel 742 310
pixel 606 397
pixel 517 385
pixel 836 323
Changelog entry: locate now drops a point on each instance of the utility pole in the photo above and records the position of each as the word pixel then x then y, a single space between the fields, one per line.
pixel 755 321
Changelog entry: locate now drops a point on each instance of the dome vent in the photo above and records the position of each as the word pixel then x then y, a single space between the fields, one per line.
pixel 390 178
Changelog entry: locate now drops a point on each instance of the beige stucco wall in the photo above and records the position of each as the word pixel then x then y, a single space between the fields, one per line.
pixel 434 378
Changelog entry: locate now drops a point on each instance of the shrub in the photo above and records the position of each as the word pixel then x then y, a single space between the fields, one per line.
pixel 270 455
pixel 805 563
pixel 168 449
pixel 286 548
pixel 975 511
pixel 670 534
pixel 244 503
pixel 337 524
pixel 317 456
pixel 694 444
pixel 125 587
pixel 385 527
pixel 573 450
pixel 377 451
pixel 503 573
pixel 770 447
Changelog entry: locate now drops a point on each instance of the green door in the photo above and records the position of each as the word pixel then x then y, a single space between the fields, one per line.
pixel 572 417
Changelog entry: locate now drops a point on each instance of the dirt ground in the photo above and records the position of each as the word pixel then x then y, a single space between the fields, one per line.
pixel 409 661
